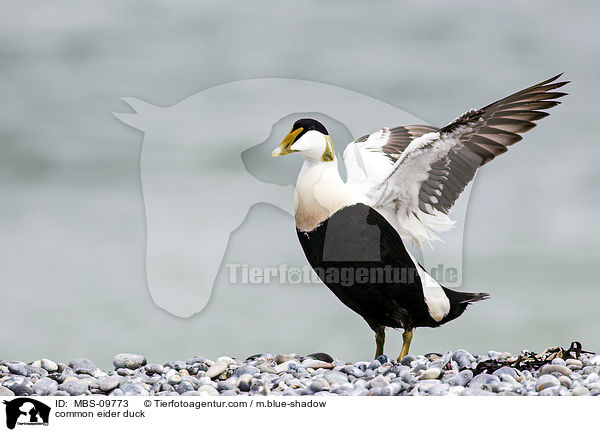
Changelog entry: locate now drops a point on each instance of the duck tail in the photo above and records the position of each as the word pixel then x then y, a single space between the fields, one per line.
pixel 471 297
pixel 459 302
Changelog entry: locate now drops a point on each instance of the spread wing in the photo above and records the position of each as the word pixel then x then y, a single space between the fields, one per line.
pixel 372 156
pixel 430 173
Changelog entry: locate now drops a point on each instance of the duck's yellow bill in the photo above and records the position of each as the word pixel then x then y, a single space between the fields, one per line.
pixel 285 146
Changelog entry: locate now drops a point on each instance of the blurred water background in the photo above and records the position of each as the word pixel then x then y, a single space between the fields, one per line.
pixel 72 226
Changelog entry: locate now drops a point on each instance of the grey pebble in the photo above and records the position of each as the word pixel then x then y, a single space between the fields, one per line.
pixel 82 365
pixel 425 385
pixel 174 379
pixel 376 391
pixel 547 381
pixel 438 389
pixel 362 391
pixel 155 368
pixel 246 370
pixel 353 370
pixel 228 384
pixel 460 379
pixel 184 386
pixel 463 358
pixel 18 369
pixel 476 392
pixel 45 386
pixel 132 389
pixel 244 382
pixel 593 360
pixel 407 360
pixel 178 365
pixel 129 361
pixel 507 393
pixel 109 383
pixel 446 358
pixel 6 391
pixel 550 391
pixel 419 368
pixel 266 368
pixel 319 385
pixel 19 385
pixel 204 380
pixel 506 370
pixel 484 381
pixel 591 378
pixel 374 364
pixel 49 365
pixel 74 388
pixel 335 377
pixel 587 370
pixel 369 373
pixel 383 359
pixel 378 381
pixel 344 388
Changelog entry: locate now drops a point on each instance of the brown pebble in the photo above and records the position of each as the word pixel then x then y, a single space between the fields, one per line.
pixel 282 358
pixel 565 381
pixel 574 364
pixel 551 368
pixel 322 365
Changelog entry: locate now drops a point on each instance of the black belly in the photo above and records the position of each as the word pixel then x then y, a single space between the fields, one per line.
pixel 362 260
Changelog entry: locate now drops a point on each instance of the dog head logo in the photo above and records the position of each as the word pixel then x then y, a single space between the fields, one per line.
pixel 26 411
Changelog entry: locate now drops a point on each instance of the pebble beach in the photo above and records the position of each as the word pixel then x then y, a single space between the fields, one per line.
pixel 555 372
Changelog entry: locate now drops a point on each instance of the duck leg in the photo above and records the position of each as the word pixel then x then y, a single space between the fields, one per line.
pixel 407 337
pixel 379 341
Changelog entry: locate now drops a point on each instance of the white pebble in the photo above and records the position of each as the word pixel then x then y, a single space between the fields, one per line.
pixel 432 373
pixel 208 390
pixel 227 360
pixel 580 390
pixel 217 369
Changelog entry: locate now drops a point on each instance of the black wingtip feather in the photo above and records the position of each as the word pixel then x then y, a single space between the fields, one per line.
pixel 473 297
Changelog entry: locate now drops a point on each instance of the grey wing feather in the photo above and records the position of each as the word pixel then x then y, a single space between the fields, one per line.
pixel 484 134
pixel 401 136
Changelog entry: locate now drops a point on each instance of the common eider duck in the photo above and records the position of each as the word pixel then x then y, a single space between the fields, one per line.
pixel 401 184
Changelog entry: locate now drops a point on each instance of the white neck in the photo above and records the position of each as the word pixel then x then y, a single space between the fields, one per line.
pixel 320 192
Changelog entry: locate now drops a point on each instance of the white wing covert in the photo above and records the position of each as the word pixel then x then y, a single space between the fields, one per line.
pixel 413 175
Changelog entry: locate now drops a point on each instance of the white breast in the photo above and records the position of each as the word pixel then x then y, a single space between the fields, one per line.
pixel 320 192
